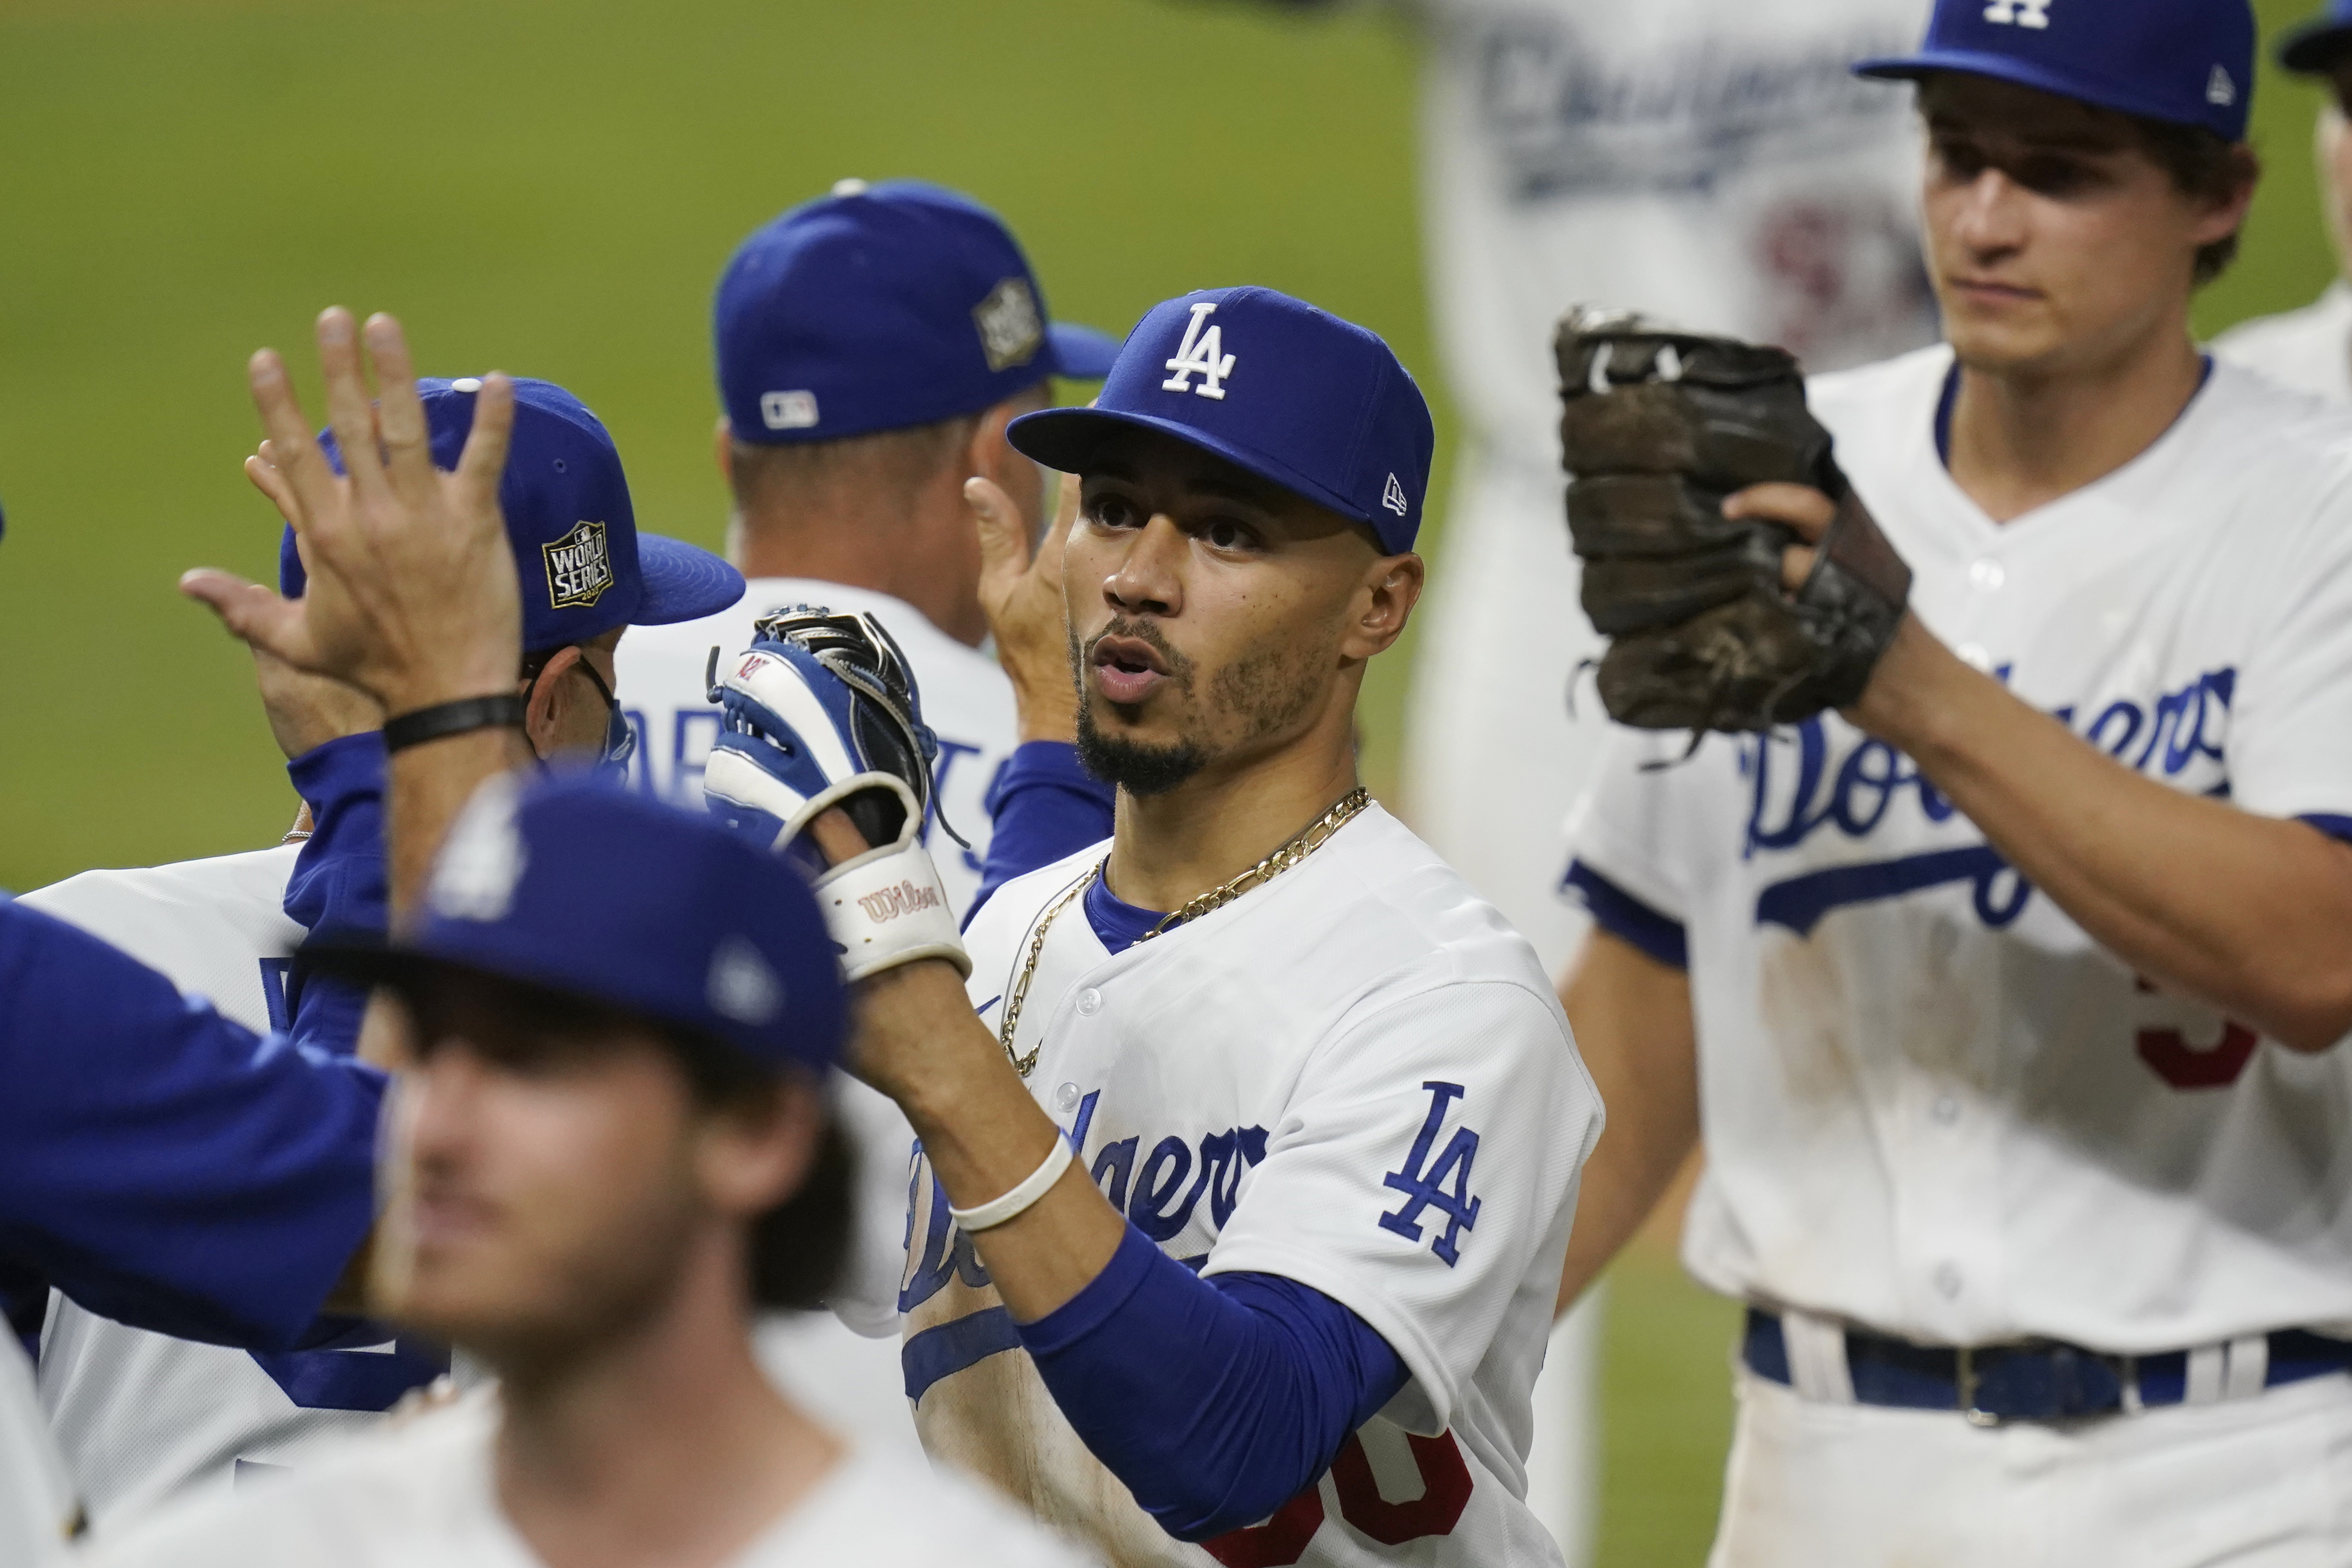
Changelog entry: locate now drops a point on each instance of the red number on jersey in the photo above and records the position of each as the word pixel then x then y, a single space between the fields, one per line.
pixel 1444 1493
pixel 2184 1066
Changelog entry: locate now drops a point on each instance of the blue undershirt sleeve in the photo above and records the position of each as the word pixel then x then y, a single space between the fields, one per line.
pixel 1216 1400
pixel 1043 806
pixel 339 886
pixel 163 1165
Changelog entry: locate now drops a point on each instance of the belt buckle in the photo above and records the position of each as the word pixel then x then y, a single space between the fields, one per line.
pixel 1964 1365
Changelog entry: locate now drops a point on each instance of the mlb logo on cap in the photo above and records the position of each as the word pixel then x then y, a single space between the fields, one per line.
pixel 1292 393
pixel 2187 62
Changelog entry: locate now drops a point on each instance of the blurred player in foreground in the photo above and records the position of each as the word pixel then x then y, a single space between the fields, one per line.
pixel 612 1136
pixel 2311 349
pixel 2008 998
pixel 872 347
pixel 140 1414
pixel 1240 1195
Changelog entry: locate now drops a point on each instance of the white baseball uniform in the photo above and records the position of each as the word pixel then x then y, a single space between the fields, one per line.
pixel 851 1379
pixel 1709 161
pixel 421 1496
pixel 1262 1088
pixel 1934 1107
pixel 2309 350
pixel 36 1497
pixel 142 1416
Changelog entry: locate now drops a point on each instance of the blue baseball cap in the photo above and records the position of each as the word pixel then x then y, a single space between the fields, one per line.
pixel 2319 43
pixel 2188 62
pixel 878 307
pixel 584 568
pixel 1294 395
pixel 594 891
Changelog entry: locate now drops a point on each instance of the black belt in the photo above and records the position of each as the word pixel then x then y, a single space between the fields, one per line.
pixel 2039 1382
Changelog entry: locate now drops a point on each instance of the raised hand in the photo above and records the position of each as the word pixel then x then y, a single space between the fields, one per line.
pixel 1021 595
pixel 412 595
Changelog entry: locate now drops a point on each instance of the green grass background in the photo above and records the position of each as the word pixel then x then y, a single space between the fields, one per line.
pixel 550 188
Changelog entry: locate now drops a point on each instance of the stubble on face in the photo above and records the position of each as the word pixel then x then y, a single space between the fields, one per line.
pixel 1264 693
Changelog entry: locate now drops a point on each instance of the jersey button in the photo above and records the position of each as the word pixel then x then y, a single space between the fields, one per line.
pixel 1089 1002
pixel 1065 1097
pixel 1974 654
pixel 1947 1281
pixel 1987 575
pixel 1947 1110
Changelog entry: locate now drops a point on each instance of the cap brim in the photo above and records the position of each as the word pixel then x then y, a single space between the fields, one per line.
pixel 1081 353
pixel 2315 46
pixel 1067 438
pixel 2023 73
pixel 682 581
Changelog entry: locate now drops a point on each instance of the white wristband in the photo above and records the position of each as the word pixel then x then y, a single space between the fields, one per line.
pixel 996 1211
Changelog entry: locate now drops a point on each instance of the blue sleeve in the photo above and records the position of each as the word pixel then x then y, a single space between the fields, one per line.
pixel 165 1166
pixel 1042 807
pixel 1623 915
pixel 1216 1400
pixel 338 884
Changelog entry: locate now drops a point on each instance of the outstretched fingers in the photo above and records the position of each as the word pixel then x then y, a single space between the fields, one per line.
pixel 350 410
pixel 301 468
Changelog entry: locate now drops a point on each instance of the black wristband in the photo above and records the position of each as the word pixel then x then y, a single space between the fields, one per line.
pixel 502 712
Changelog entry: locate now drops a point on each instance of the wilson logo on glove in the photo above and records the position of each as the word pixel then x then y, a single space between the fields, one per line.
pixel 906 898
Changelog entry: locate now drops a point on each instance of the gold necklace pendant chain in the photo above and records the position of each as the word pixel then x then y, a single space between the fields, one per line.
pixel 1308 840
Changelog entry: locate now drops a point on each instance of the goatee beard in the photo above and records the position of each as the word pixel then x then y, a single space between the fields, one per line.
pixel 1138 769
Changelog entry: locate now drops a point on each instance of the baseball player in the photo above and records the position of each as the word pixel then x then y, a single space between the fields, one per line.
pixel 611 1141
pixel 613 1138
pixel 1249 1135
pixel 872 346
pixel 1712 160
pixel 2311 349
pixel 142 1415
pixel 2004 967
pixel 38 1514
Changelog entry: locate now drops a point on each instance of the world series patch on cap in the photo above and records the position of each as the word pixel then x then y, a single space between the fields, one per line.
pixel 882 307
pixel 2187 62
pixel 583 567
pixel 1274 385
pixel 579 887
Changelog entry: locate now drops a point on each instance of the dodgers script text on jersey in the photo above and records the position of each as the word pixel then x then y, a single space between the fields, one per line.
pixel 1357 1078
pixel 2055 1148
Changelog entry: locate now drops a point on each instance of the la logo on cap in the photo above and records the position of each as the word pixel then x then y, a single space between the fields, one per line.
pixel 579 567
pixel 1201 353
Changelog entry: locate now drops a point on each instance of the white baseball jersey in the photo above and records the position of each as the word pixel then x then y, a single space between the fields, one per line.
pixel 141 1417
pixel 2309 350
pixel 1932 1104
pixel 1355 1075
pixel 37 1512
pixel 853 1382
pixel 421 1495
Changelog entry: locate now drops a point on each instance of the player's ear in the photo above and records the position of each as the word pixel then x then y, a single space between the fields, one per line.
pixel 1384 600
pixel 722 448
pixel 544 703
pixel 753 1152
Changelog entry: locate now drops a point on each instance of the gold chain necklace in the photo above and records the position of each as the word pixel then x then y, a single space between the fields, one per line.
pixel 1297 848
